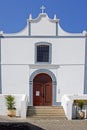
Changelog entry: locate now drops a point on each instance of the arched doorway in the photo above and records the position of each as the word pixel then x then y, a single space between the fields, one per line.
pixel 42 90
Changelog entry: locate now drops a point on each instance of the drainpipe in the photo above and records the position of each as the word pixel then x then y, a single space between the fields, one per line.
pixel 0 68
pixel 85 67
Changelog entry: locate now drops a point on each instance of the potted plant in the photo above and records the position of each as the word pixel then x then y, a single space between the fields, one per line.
pixel 10 103
pixel 81 113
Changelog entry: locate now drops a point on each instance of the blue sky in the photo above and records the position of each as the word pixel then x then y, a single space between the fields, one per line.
pixel 72 13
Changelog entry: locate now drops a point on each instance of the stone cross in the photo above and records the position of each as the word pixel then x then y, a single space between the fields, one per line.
pixel 42 8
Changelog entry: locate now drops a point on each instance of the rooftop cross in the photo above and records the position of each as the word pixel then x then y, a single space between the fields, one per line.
pixel 42 8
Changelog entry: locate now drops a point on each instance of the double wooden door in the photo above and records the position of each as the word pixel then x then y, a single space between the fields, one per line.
pixel 42 93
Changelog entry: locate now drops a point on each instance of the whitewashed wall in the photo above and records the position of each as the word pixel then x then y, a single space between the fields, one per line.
pixel 67 103
pixel 43 26
pixel 68 51
pixel 22 50
pixel 70 80
pixel 18 54
pixel 15 79
pixel 21 104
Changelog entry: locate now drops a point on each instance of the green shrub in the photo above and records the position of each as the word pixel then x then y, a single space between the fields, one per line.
pixel 80 104
pixel 10 102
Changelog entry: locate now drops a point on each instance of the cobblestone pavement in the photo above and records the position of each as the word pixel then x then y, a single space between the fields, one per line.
pixel 51 124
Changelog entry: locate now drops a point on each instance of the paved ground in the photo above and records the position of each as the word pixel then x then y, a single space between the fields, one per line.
pixel 50 124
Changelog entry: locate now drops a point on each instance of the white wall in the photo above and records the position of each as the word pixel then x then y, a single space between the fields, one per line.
pixel 15 79
pixel 17 54
pixel 68 51
pixel 67 81
pixel 22 51
pixel 17 51
pixel 20 104
pixel 70 80
pixel 43 27
pixel 67 103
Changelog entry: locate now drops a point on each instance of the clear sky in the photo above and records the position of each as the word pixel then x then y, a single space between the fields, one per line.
pixel 14 13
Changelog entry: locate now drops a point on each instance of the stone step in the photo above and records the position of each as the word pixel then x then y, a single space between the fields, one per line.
pixel 46 112
pixel 45 108
pixel 48 117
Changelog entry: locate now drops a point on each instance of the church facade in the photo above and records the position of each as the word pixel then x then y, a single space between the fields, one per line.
pixel 43 61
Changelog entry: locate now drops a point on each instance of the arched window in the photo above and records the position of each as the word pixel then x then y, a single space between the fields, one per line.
pixel 43 52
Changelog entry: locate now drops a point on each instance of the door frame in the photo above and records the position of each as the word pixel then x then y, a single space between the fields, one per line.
pixel 54 85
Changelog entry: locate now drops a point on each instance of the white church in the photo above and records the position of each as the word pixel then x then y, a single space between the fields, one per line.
pixel 43 61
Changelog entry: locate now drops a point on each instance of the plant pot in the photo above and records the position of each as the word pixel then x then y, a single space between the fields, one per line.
pixel 11 113
pixel 81 114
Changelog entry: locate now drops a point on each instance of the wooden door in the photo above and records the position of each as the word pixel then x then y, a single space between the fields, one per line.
pixel 42 91
pixel 47 94
pixel 38 94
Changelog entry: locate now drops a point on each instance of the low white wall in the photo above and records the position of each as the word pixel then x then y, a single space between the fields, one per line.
pixel 67 103
pixel 24 104
pixel 20 104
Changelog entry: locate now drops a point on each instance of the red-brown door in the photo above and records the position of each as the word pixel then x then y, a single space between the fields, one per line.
pixel 42 90
pixel 38 94
pixel 47 94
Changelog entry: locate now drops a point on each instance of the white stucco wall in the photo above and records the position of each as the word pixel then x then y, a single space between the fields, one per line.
pixel 67 103
pixel 68 54
pixel 22 50
pixel 67 61
pixel 44 27
pixel 70 80
pixel 68 51
pixel 17 51
pixel 15 79
pixel 20 105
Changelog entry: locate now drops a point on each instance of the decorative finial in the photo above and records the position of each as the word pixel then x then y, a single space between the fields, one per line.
pixel 42 8
pixel 1 32
pixel 85 33
pixel 30 17
pixel 55 17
